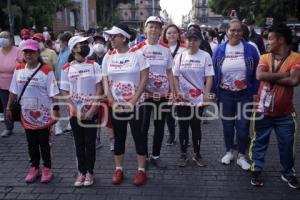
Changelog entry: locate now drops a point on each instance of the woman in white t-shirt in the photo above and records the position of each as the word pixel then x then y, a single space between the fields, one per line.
pixel 81 87
pixel 235 63
pixel 159 86
pixel 193 72
pixel 125 74
pixel 171 36
pixel 36 107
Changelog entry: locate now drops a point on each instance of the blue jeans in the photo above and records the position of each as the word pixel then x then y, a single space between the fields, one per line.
pixel 285 130
pixel 4 94
pixel 234 119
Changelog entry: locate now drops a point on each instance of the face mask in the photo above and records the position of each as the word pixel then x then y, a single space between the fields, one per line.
pixel 99 48
pixel 4 42
pixel 84 50
pixel 41 45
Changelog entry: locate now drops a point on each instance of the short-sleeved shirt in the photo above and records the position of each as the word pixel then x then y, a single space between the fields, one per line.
pixel 283 95
pixel 159 59
pixel 36 101
pixel 234 68
pixel 192 71
pixel 8 64
pixel 123 72
pixel 80 80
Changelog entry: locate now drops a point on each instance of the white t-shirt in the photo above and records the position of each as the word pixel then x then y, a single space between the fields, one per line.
pixel 234 68
pixel 123 72
pixel 80 80
pixel 159 59
pixel 192 71
pixel 36 101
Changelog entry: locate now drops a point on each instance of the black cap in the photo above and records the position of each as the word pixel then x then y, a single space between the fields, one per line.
pixel 193 33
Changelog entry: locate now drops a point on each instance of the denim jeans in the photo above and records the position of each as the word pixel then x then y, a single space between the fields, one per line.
pixel 285 130
pixel 234 118
pixel 4 94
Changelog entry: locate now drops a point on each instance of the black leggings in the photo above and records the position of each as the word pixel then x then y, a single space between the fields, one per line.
pixel 38 144
pixel 171 124
pixel 194 121
pixel 85 143
pixel 120 122
pixel 159 122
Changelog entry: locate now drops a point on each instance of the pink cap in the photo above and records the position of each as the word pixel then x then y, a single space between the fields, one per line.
pixel 30 45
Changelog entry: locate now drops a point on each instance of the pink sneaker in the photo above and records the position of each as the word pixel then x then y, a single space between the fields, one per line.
pixel 79 180
pixel 89 180
pixel 46 175
pixel 32 175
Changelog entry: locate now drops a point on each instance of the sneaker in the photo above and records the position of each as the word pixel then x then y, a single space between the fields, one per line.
pixel 292 181
pixel 32 175
pixel 79 180
pixel 89 180
pixel 242 162
pixel 139 178
pixel 98 144
pixel 170 141
pixel 58 129
pixel 6 133
pixel 46 175
pixel 183 160
pixel 227 158
pixel 198 160
pixel 117 177
pixel 112 144
pixel 256 180
pixel 158 163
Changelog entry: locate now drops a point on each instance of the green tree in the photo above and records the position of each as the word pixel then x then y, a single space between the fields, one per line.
pixel 280 10
pixel 32 12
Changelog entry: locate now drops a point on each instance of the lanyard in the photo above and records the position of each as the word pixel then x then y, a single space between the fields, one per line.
pixel 280 64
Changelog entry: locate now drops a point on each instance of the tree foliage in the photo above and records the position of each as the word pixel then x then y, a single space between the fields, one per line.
pixel 31 12
pixel 106 11
pixel 280 10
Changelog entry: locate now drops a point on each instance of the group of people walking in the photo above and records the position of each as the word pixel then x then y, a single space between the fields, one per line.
pixel 162 75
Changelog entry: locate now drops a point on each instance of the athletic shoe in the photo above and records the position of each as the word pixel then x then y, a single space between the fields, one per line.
pixel 117 177
pixel 227 158
pixel 32 175
pixel 242 162
pixel 89 180
pixel 47 175
pixel 292 181
pixel 139 178
pixel 79 180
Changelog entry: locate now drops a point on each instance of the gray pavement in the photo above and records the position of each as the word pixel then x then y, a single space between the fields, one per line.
pixel 216 181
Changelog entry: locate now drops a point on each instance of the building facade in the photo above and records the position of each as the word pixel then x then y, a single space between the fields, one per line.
pixel 80 15
pixel 135 13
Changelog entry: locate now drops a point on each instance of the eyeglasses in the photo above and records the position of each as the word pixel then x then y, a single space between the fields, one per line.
pixel 112 37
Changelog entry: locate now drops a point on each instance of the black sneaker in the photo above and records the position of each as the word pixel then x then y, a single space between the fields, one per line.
pixel 183 160
pixel 198 161
pixel 256 180
pixel 292 181
pixel 158 163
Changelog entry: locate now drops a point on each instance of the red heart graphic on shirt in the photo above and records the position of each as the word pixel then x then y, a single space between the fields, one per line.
pixel 35 114
pixel 240 84
pixel 195 93
pixel 158 84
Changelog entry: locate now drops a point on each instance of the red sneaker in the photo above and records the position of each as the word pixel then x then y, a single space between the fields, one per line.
pixel 117 177
pixel 32 175
pixel 46 175
pixel 139 178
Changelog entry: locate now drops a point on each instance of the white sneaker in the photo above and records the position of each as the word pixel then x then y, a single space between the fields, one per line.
pixel 1 117
pixel 58 128
pixel 242 162
pixel 227 158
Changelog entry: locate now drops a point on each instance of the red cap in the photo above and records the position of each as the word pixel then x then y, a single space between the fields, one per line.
pixel 25 33
pixel 38 36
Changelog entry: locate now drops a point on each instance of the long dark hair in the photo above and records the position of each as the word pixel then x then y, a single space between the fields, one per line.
pixel 164 34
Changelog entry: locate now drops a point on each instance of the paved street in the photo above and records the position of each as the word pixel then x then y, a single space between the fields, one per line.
pixel 213 182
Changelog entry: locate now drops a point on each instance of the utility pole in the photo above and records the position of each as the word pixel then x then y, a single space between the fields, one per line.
pixel 11 19
pixel 153 7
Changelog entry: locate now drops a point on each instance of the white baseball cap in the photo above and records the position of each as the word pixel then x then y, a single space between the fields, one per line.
pixel 154 19
pixel 77 39
pixel 119 29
